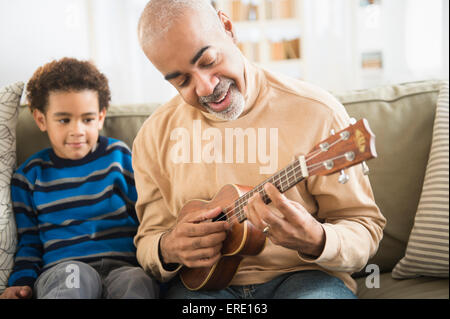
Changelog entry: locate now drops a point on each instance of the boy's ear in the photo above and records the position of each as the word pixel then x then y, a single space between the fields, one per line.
pixel 101 118
pixel 40 120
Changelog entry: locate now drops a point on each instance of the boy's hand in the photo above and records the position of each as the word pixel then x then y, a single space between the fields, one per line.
pixel 17 292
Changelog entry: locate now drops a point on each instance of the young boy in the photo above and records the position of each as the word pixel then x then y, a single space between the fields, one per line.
pixel 74 202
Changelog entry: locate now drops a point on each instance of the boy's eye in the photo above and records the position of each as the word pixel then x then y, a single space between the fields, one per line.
pixel 63 121
pixel 88 120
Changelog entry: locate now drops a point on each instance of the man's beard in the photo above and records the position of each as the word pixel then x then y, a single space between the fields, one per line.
pixel 234 110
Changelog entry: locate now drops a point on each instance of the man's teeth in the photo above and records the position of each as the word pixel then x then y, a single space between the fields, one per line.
pixel 222 98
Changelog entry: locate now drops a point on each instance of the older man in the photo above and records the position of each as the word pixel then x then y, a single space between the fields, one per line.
pixel 319 231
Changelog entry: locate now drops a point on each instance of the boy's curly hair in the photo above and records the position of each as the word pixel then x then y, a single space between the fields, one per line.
pixel 67 75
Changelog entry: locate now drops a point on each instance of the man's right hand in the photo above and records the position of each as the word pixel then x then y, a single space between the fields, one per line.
pixel 17 292
pixel 193 242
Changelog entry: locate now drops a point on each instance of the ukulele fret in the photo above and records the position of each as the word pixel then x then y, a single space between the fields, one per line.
pixel 283 181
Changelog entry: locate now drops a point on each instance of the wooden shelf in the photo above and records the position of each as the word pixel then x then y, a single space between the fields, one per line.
pixel 272 35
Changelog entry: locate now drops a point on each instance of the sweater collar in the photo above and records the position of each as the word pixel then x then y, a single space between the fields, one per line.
pixel 64 162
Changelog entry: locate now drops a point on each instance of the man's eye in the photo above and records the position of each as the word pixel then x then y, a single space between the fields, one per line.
pixel 184 82
pixel 209 63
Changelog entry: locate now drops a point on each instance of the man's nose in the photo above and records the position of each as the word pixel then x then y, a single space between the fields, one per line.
pixel 205 83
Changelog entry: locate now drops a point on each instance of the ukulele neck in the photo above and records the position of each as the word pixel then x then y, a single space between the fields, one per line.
pixel 285 179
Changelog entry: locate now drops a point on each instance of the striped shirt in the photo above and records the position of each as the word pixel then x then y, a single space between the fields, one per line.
pixel 73 210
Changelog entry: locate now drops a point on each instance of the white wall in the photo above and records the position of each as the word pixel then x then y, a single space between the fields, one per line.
pixel 329 46
pixel 116 51
pixel 33 32
pixel 411 34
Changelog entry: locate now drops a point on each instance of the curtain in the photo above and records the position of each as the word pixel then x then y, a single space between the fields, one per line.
pixel 116 50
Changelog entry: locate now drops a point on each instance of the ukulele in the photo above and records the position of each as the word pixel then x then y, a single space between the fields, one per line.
pixel 348 147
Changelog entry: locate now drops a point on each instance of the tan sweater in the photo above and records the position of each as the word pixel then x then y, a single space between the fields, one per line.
pixel 181 153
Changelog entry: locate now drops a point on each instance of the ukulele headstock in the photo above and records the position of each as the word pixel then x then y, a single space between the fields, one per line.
pixel 348 147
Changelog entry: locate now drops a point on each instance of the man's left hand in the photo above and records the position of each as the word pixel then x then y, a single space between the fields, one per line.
pixel 295 229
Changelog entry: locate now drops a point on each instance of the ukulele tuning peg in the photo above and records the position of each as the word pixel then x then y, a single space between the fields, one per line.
pixel 352 121
pixel 365 168
pixel 332 132
pixel 343 178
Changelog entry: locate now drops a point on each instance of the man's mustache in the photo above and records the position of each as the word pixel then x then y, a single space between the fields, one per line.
pixel 220 89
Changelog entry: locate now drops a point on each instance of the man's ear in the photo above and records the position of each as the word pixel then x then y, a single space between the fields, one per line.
pixel 227 24
pixel 40 120
pixel 101 118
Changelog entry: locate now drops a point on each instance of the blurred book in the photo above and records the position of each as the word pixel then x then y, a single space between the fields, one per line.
pixel 236 10
pixel 292 49
pixel 243 10
pixel 365 3
pixel 285 50
pixel 277 51
pixel 280 9
pixel 269 7
pixel 372 60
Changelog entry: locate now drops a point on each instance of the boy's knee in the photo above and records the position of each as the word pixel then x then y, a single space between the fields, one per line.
pixel 131 282
pixel 71 279
pixel 77 269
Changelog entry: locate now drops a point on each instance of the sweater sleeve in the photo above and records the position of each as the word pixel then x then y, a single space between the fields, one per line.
pixel 28 259
pixel 127 183
pixel 152 212
pixel 352 221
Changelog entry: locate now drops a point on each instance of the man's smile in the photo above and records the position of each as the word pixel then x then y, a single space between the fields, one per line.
pixel 222 103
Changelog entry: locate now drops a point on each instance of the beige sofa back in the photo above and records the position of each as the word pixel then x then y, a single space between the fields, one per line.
pixel 401 117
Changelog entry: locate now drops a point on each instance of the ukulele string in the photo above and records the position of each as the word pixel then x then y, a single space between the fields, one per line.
pixel 230 210
pixel 312 155
pixel 235 211
pixel 311 168
pixel 317 152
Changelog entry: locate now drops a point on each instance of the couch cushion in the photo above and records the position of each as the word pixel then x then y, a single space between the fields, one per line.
pixel 29 138
pixel 417 288
pixel 9 103
pixel 427 250
pixel 401 116
pixel 122 122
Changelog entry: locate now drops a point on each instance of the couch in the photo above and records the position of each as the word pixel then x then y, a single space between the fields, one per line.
pixel 401 117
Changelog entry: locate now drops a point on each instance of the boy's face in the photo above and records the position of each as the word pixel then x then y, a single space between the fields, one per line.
pixel 72 121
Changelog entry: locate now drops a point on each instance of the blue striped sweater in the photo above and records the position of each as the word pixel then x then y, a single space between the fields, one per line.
pixel 73 210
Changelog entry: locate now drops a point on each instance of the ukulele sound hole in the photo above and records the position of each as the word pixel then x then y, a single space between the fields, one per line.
pixel 220 217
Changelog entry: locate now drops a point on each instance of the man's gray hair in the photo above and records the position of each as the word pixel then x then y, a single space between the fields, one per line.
pixel 159 15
